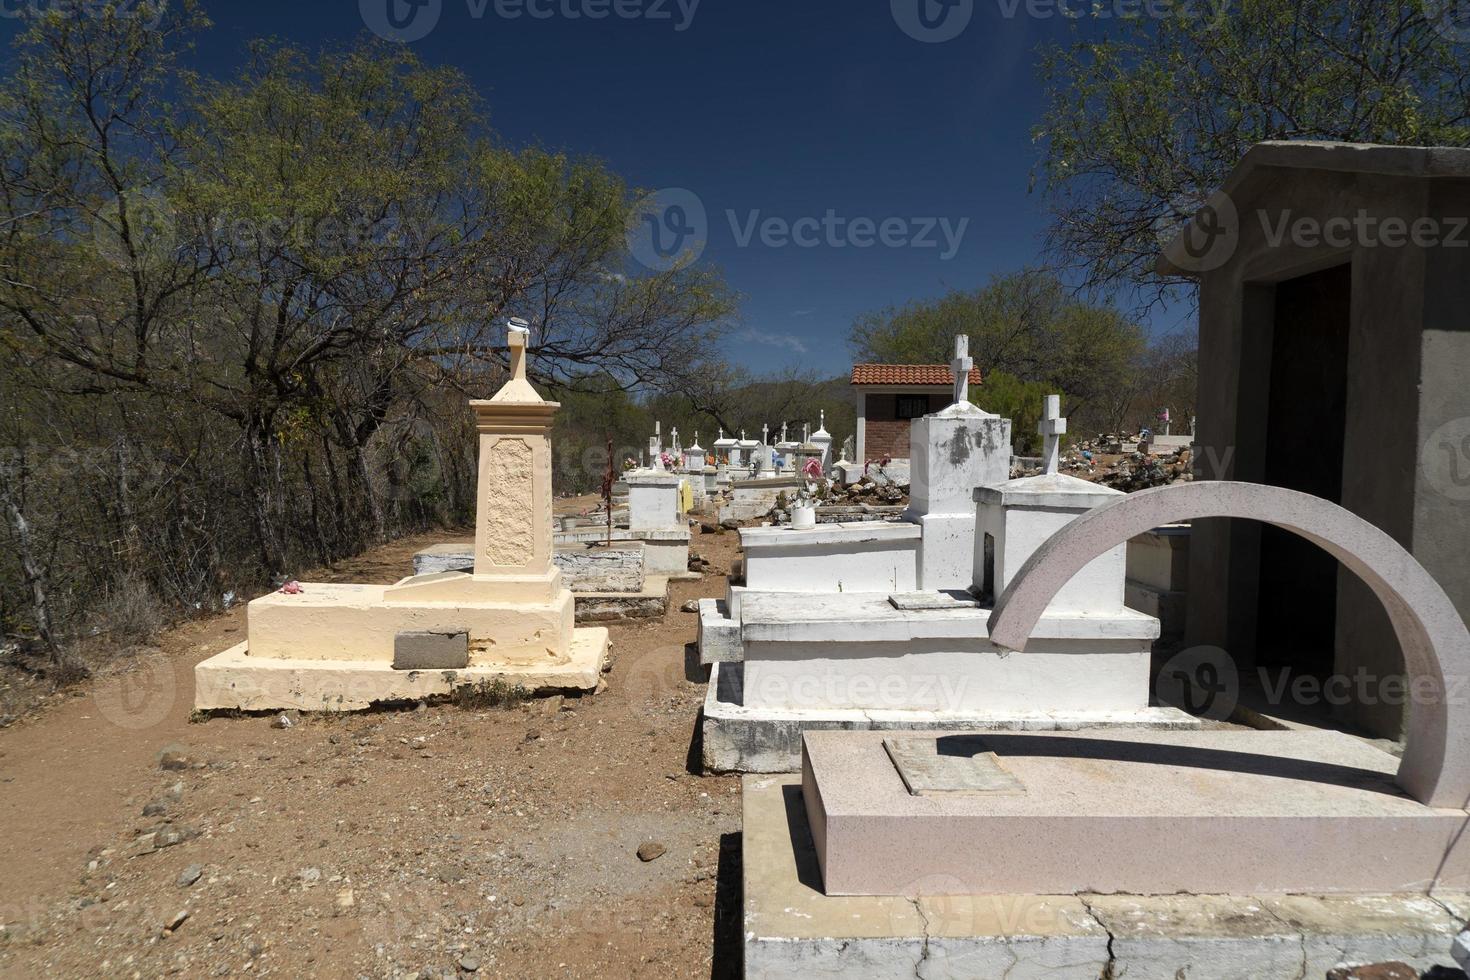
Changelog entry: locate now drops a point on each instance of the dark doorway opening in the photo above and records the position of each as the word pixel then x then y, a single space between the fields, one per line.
pixel 1306 426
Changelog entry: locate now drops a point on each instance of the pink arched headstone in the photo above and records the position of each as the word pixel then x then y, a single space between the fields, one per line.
pixel 1436 765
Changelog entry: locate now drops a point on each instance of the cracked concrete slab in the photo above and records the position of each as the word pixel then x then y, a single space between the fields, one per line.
pixel 794 930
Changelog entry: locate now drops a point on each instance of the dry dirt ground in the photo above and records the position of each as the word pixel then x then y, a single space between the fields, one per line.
pixel 438 840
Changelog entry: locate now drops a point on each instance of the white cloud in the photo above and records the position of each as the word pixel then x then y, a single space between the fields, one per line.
pixel 789 341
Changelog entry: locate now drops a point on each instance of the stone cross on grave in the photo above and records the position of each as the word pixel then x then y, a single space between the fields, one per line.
pixel 962 366
pixel 1052 428
pixel 674 435
pixel 783 431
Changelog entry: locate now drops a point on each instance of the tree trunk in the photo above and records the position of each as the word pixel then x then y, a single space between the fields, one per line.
pixel 314 511
pixel 34 574
pixel 364 492
pixel 258 480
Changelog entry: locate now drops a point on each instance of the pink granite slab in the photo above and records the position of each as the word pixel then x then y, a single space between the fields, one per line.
pixel 1206 812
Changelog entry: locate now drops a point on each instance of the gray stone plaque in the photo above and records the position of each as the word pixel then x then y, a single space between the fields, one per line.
pixel 950 765
pixel 431 651
pixel 928 601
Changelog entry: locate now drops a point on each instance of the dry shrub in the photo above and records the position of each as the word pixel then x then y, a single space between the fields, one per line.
pixel 131 613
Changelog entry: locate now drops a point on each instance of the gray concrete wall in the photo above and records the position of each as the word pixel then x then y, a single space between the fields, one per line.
pixel 1441 507
pixel 1409 356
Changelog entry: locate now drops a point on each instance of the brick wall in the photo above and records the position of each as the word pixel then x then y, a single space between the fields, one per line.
pixel 887 435
pixel 886 438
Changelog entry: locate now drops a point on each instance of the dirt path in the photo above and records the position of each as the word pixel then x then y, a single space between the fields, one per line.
pixel 409 843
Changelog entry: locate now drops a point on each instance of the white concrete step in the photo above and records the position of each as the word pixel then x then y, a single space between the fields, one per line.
pixel 719 634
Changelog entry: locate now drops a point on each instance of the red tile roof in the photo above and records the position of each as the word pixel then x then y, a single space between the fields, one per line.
pixel 908 374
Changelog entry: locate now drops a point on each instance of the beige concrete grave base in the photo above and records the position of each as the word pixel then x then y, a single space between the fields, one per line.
pixel 791 929
pixel 358 622
pixel 236 680
pixel 1204 812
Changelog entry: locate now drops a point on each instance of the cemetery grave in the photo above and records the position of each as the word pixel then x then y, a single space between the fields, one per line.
pixel 823 614
pixel 507 622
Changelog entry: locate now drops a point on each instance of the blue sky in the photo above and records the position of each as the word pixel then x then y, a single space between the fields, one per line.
pixel 830 111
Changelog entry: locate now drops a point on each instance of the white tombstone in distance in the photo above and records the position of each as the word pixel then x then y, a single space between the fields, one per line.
pixel 822 439
pixel 786 453
pixel 694 456
pixel 723 447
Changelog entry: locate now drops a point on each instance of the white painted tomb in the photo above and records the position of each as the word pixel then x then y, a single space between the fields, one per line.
pixel 822 440
pixel 724 447
pixel 335 647
pixel 762 453
pixel 873 625
pixel 1016 517
pixel 740 454
pixel 694 457
pixel 1211 853
pixel 742 457
pixel 787 449
pixel 653 499
pixel 950 454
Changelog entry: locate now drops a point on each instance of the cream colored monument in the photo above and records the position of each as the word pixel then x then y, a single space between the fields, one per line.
pixel 345 647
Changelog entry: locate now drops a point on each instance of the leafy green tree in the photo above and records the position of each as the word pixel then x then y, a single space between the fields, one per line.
pixel 1020 401
pixel 1141 125
pixel 311 250
pixel 254 306
pixel 1026 324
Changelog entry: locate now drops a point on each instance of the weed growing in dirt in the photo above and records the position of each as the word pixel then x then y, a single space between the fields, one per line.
pixel 489 694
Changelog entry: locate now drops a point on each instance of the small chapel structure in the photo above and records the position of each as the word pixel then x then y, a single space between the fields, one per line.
pixel 889 397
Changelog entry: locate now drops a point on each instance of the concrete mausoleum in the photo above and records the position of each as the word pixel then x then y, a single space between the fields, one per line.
pixel 331 647
pixel 1337 367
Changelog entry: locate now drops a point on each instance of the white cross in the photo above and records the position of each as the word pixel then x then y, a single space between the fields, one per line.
pixel 765 434
pixel 962 366
pixel 1052 428
pixel 674 434
pixel 783 431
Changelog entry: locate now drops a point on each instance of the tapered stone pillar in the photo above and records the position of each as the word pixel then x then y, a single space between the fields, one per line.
pixel 513 527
